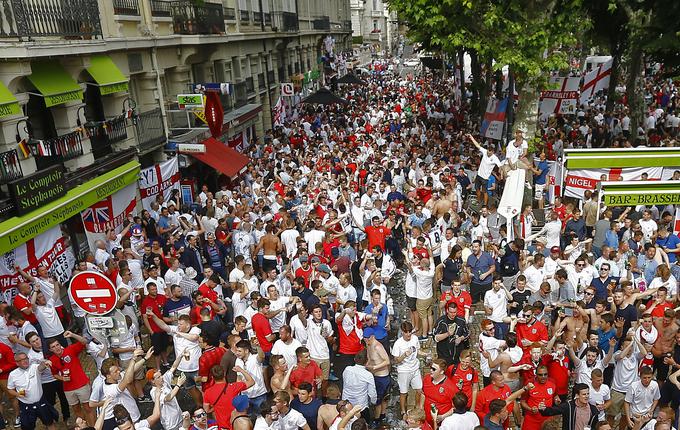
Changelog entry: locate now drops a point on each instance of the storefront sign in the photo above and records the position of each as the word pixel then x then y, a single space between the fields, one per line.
pixel 190 100
pixel 119 87
pixel 9 109
pixel 18 230
pixel 63 98
pixel 36 190
pixel 660 198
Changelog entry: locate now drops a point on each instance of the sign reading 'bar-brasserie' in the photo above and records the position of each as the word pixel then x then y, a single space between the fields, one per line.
pixel 641 199
pixel 35 190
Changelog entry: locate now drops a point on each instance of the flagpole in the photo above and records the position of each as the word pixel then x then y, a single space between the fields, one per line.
pixel 510 108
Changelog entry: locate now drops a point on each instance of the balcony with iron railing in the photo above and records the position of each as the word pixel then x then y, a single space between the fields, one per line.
pixel 161 8
pixel 150 130
pixel 56 150
pixel 321 23
pixel 285 22
pixel 10 166
pixel 126 7
pixel 104 134
pixel 190 18
pixel 30 19
pixel 244 16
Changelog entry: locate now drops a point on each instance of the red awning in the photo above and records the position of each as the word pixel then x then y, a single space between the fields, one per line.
pixel 222 158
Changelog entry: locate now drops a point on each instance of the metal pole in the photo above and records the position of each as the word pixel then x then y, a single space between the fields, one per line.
pixel 510 108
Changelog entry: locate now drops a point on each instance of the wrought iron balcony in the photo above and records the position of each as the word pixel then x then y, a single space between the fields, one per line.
pixel 10 166
pixel 126 7
pixel 285 22
pixel 230 14
pixel 244 16
pixel 190 18
pixel 105 133
pixel 150 129
pixel 161 8
pixel 56 150
pixel 321 23
pixel 68 19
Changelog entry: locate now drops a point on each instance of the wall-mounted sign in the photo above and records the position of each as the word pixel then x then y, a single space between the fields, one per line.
pixel 190 100
pixel 193 148
pixel 34 191
pixel 287 90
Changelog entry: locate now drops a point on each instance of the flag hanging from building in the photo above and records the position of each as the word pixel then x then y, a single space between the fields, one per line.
pixel 560 98
pixel 161 178
pixel 279 112
pixel 494 118
pixel 596 80
pixel 109 213
pixel 577 182
pixel 49 249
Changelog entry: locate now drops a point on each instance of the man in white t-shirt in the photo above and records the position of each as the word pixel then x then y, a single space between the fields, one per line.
pixel 185 339
pixel 648 225
pixel 496 305
pixel 486 165
pixel 252 363
pixel 25 385
pixel 642 397
pixel 171 413
pixel 116 383
pixel 124 421
pixel 405 352
pixel 461 418
pixel 286 346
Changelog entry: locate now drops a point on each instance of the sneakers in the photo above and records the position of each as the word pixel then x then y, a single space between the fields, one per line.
pixel 17 422
pixel 145 399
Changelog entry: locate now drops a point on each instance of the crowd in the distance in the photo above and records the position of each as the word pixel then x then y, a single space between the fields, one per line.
pixel 360 256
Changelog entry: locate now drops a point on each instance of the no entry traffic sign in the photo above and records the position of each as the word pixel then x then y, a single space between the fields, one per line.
pixel 93 292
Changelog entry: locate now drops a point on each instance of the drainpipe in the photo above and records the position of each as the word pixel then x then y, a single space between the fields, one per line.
pixel 159 88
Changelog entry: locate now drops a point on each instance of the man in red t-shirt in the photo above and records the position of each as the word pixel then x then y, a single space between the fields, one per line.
pixel 530 330
pixel 376 233
pixel 558 367
pixel 305 270
pixel 22 301
pixel 261 326
pixel 497 389
pixel 545 392
pixel 66 367
pixel 466 378
pixel 461 297
pixel 217 399
pixel 159 338
pixel 305 371
pixel 211 357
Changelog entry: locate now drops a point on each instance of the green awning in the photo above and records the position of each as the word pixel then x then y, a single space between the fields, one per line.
pixel 107 75
pixel 8 103
pixel 54 83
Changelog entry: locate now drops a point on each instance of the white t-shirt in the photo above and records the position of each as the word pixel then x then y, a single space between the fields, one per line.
pixel 28 380
pixel 287 351
pixel 498 301
pixel 277 321
pixel 253 366
pixel 47 289
pixel 492 345
pixel 648 228
pixel 411 364
pixel 160 285
pixel 424 282
pixel 534 277
pixel 410 288
pixel 293 420
pixel 289 239
pixel 120 398
pixel 641 398
pixel 487 164
pixel 467 421
pixel 49 319
pixel 512 152
pixel 192 347
pixel 127 341
pixel 317 345
pixel 299 331
pixel 171 413
pixel 38 357
pixel 625 371
pixel 313 237
pixel 599 397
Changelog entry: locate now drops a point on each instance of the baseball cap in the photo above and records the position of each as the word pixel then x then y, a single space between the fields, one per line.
pixel 136 230
pixel 153 267
pixel 321 292
pixel 555 249
pixel 324 268
pixel 304 259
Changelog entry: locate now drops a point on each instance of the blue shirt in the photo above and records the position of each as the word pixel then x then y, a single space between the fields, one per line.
pixel 604 336
pixel 611 239
pixel 489 184
pixel 480 265
pixel 543 166
pixel 648 267
pixel 671 242
pixel 379 328
pixel 308 410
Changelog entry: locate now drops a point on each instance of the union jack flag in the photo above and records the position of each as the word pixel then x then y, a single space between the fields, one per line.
pixel 98 215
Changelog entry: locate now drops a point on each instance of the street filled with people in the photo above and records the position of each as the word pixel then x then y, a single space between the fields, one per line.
pixel 360 276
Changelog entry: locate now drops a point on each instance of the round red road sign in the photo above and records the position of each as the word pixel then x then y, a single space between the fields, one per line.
pixel 93 292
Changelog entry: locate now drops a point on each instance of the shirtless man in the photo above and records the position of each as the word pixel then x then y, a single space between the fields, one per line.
pixel 281 378
pixel 574 327
pixel 379 365
pixel 271 244
pixel 439 206
pixel 663 348
pixel 631 296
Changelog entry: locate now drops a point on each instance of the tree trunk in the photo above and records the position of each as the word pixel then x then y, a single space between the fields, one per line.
pixel 476 81
pixel 486 89
pixel 526 115
pixel 499 84
pixel 614 76
pixel 461 73
pixel 636 104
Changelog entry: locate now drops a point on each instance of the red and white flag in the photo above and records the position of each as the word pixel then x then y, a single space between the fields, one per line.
pixel 596 80
pixel 578 181
pixel 48 249
pixel 279 112
pixel 560 99
pixel 161 178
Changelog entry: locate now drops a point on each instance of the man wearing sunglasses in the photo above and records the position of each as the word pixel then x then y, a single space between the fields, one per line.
pixel 543 393
pixel 198 420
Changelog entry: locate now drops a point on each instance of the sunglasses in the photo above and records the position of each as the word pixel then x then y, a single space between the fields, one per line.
pixel 589 294
pixel 580 265
pixel 604 270
pixel 541 374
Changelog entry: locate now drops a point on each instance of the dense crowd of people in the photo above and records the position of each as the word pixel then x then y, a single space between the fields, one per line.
pixel 363 254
